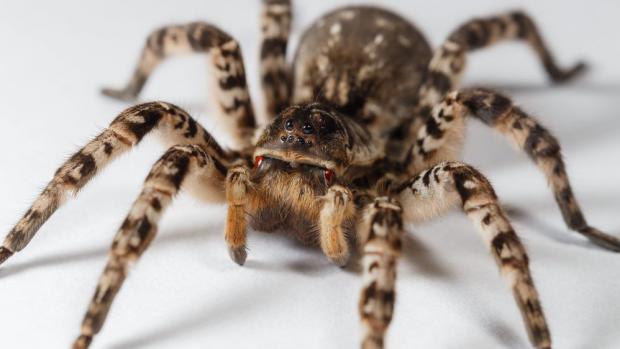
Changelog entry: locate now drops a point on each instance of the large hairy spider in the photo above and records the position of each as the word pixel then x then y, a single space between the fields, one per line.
pixel 365 130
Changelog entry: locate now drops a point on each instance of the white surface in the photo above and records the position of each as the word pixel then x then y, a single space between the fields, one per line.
pixel 186 293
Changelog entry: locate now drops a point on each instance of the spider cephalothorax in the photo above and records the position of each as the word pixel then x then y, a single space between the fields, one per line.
pixel 363 135
pixel 312 134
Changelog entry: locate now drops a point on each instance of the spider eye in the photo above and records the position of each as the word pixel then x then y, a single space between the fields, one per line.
pixel 257 161
pixel 329 176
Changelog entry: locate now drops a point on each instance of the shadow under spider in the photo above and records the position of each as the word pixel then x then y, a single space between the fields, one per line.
pixel 564 236
pixel 416 254
pixel 97 252
pixel 592 87
pixel 231 308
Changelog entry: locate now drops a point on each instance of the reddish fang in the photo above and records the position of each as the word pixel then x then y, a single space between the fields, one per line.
pixel 329 176
pixel 258 161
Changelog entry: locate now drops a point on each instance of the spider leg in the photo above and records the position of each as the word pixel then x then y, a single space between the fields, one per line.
pixel 447 184
pixel 447 65
pixel 232 97
pixel 380 230
pixel 127 130
pixel 338 208
pixel 178 165
pixel 435 141
pixel 274 70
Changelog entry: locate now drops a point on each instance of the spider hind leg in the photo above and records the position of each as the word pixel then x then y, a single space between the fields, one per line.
pixel 229 87
pixel 544 150
pixel 497 111
pixel 447 66
pixel 275 71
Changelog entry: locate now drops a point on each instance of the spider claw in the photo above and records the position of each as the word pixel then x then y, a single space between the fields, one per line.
pixel 120 94
pixel 340 260
pixel 601 239
pixel 5 253
pixel 82 342
pixel 238 254
pixel 560 76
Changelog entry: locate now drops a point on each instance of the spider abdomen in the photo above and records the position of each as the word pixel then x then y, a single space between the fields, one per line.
pixel 364 61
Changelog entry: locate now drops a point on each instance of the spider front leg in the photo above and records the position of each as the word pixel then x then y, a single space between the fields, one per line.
pixel 447 184
pixel 178 165
pixel 379 232
pixel 275 71
pixel 447 66
pixel 232 98
pixel 435 142
pixel 127 130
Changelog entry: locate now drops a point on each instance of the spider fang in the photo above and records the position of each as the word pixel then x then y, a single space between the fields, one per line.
pixel 329 176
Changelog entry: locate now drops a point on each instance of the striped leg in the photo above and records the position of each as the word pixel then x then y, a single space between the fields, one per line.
pixel 497 111
pixel 338 209
pixel 275 72
pixel 447 184
pixel 380 231
pixel 447 65
pixel 230 88
pixel 179 164
pixel 127 130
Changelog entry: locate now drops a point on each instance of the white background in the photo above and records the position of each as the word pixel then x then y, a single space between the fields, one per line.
pixel 186 293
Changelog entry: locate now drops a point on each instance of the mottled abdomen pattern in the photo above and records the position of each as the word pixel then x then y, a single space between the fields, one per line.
pixel 367 62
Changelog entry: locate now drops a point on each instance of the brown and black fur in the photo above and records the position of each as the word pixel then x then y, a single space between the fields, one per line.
pixel 362 134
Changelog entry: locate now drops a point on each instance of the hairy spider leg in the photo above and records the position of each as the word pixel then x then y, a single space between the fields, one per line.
pixel 127 130
pixel 525 132
pixel 178 165
pixel 232 98
pixel 447 66
pixel 275 72
pixel 380 236
pixel 433 191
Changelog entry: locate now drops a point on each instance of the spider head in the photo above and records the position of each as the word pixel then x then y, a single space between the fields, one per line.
pixel 311 134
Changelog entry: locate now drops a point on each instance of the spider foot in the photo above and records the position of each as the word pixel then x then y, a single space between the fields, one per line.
pixel 559 75
pixel 238 254
pixel 5 253
pixel 371 342
pixel 340 260
pixel 601 239
pixel 121 94
pixel 82 342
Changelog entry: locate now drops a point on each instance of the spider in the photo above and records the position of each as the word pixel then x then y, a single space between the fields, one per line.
pixel 363 135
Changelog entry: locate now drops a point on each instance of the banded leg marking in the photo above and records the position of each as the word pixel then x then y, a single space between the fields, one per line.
pixel 543 148
pixel 230 89
pixel 380 230
pixel 497 111
pixel 166 178
pixel 127 130
pixel 441 137
pixel 338 208
pixel 447 184
pixel 447 65
pixel 275 71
